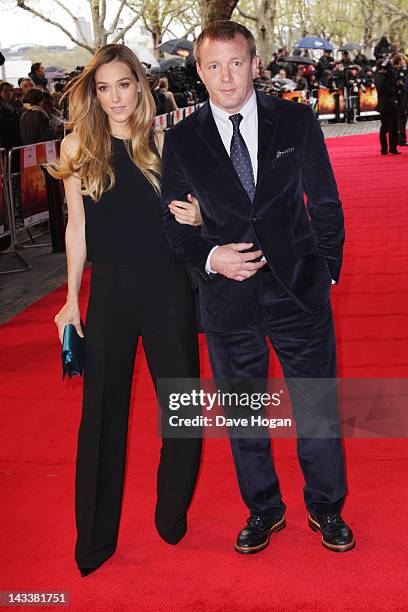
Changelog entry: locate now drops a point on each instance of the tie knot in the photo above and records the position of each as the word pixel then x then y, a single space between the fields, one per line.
pixel 236 120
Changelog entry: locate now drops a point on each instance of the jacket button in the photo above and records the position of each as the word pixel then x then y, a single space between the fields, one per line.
pixel 256 218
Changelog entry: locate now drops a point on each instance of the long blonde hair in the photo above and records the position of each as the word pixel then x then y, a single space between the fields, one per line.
pixel 91 162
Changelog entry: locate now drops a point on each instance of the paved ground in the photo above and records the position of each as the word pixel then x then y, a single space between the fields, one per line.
pixel 331 130
pixel 19 290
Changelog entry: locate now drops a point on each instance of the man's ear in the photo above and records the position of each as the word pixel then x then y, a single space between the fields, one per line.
pixel 198 67
pixel 255 65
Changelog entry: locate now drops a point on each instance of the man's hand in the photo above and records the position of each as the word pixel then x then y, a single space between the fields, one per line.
pixel 230 262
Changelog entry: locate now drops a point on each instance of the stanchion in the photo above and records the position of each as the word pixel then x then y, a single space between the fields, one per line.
pixel 10 229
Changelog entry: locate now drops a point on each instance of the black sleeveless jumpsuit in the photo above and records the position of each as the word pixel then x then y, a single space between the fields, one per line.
pixel 139 288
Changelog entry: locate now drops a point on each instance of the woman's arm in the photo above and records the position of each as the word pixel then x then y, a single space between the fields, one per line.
pixel 75 243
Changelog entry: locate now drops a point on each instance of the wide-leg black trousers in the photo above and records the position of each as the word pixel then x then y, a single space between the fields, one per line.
pixel 126 302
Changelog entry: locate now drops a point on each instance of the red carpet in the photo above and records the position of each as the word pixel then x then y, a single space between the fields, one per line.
pixel 40 416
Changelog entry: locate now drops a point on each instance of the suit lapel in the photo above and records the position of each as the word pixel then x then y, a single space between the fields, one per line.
pixel 268 119
pixel 267 125
pixel 209 134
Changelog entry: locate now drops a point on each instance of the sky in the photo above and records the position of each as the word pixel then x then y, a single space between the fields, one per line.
pixel 19 27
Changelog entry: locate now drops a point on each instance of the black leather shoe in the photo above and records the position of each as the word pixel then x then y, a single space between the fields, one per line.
pixel 255 536
pixel 336 535
pixel 384 152
pixel 395 152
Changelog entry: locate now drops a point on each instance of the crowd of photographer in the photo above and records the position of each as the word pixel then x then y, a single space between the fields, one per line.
pixel 32 113
pixel 387 71
pixel 29 113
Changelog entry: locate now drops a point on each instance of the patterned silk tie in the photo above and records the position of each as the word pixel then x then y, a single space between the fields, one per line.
pixel 240 157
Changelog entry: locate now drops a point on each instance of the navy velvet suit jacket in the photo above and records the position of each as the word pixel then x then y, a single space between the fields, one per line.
pixel 302 244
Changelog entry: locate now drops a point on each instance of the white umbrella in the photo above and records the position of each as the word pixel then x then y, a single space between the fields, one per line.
pixel 145 55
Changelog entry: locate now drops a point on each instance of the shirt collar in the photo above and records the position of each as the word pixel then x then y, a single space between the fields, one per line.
pixel 246 111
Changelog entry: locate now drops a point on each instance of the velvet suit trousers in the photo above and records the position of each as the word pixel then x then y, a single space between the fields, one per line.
pixel 305 346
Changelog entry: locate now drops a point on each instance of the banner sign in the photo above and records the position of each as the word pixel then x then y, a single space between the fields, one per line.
pixel 2 203
pixel 33 189
pixel 160 122
pixel 368 101
pixel 296 96
pixel 189 110
pixel 330 103
pixel 177 115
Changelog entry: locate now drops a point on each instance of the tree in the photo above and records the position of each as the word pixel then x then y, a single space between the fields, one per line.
pixel 159 16
pixel 263 16
pixel 97 8
pixel 340 21
pixel 213 10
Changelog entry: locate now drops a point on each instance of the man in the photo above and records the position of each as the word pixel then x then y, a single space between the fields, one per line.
pixel 338 76
pixel 249 158
pixel 345 59
pixel 386 83
pixel 326 62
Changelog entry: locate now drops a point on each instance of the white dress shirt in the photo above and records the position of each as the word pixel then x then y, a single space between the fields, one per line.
pixel 249 130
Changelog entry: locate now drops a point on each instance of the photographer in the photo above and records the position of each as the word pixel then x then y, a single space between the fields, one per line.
pixel 382 49
pixel 184 83
pixel 338 76
pixel 401 77
pixel 386 84
pixel 326 62
pixel 367 78
pixel 353 82
pixel 37 75
pixel 9 118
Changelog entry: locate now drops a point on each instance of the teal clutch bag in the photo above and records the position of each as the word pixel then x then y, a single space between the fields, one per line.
pixel 73 352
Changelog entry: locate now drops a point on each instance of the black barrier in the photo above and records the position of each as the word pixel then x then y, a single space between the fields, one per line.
pixel 4 217
pixel 7 219
pixel 55 199
pixel 339 105
pixel 28 191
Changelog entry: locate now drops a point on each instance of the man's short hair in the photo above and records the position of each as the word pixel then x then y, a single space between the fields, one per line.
pixel 224 30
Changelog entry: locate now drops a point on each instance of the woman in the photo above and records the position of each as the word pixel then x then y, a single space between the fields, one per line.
pixel 56 120
pixel 110 167
pixel 35 122
pixel 169 102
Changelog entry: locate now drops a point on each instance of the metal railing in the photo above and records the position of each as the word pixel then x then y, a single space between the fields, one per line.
pixel 27 190
pixel 7 220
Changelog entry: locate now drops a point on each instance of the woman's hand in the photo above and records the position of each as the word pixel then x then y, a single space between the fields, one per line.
pixel 187 213
pixel 68 314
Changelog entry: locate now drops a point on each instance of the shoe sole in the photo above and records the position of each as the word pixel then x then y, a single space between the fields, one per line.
pixel 314 526
pixel 250 550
